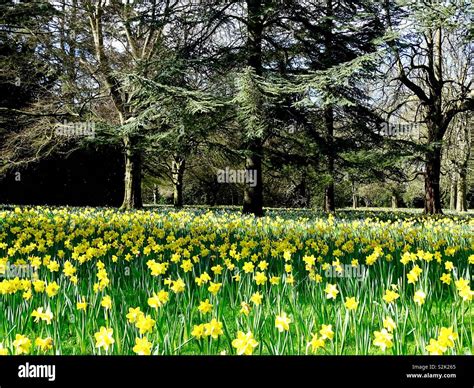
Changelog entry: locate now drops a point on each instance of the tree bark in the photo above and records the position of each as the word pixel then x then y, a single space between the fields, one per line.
pixel 253 196
pixel 432 179
pixel 132 182
pixel 178 167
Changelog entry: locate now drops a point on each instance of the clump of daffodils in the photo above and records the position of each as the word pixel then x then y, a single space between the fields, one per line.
pixel 318 340
pixel 211 329
pixel 244 343
pixel 446 340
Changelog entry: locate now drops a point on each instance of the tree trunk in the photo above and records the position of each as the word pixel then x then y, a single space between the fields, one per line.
pixel 302 192
pixel 329 205
pixel 453 192
pixel 395 202
pixel 432 178
pixel 133 180
pixel 329 200
pixel 133 165
pixel 396 199
pixel 178 167
pixel 355 197
pixel 436 129
pixel 253 196
pixel 155 195
pixel 461 203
